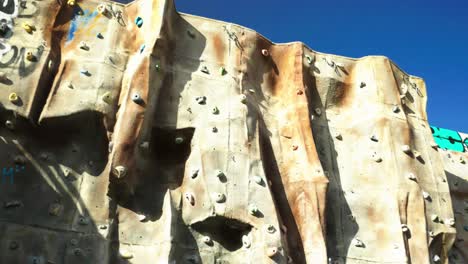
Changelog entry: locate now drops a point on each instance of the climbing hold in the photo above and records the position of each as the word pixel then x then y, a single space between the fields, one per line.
pixel 214 130
pixel 395 109
pixel 258 180
pixel 205 70
pixel 3 77
pixel 77 252
pixel 83 221
pixel 83 46
pixel 426 195
pixel 246 241
pixel 363 84
pixel 462 160
pixel 222 71
pixel 272 251
pixel 295 147
pixel 431 234
pixel 102 9
pixel 215 110
pixel 253 210
pixel 142 48
pixel 9 125
pixel 70 85
pixel 406 149
pixel 450 222
pixel 412 177
pixel 376 157
pixel 201 100
pixel 207 240
pixel 29 28
pixel 416 154
pixel 84 72
pixel 30 56
pixel 190 34
pixel 218 197
pixel 125 254
pixel 190 198
pixel 299 92
pixel 158 68
pixel 13 245
pixel 265 52
pixel 358 243
pixel 270 229
pixel 120 171
pixel 434 145
pixel 436 258
pixel 179 140
pixel 194 174
pixel 71 2
pixel 14 98
pixel 106 97
pixel 338 136
pixel 309 59
pixel 243 98
pixel 318 111
pixel 12 204
pixel 404 228
pixel 99 35
pixel 374 138
pixel 139 22
pixel 136 98
pixel 54 209
pixel 145 145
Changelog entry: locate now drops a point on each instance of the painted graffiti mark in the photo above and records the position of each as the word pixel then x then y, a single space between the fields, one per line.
pixel 449 139
pixel 9 173
pixel 79 22
pixel 16 55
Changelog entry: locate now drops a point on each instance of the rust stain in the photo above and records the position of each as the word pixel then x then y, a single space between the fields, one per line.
pixel 219 47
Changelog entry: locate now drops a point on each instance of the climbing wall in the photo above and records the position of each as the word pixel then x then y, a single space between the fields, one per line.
pixel 136 134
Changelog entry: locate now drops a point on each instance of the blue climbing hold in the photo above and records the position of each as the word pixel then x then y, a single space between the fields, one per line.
pixel 139 22
pixel 142 48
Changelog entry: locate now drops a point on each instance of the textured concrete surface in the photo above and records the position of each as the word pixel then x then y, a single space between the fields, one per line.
pixel 135 134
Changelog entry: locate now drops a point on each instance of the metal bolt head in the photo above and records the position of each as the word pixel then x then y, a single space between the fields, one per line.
pixel 309 59
pixel 83 221
pixel 30 56
pixel 432 234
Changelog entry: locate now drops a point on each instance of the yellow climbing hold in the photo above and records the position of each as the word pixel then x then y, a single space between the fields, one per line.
pixel 30 56
pixel 71 2
pixel 13 97
pixel 29 28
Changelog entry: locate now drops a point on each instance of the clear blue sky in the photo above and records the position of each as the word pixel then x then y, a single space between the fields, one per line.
pixel 427 38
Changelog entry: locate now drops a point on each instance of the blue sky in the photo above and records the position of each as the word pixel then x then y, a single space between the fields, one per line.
pixel 428 38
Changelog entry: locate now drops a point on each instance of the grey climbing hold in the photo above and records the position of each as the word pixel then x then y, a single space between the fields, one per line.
pixel 374 138
pixel 136 98
pixel 395 109
pixel 84 46
pixel 270 229
pixel 9 124
pixel 253 210
pixel 218 197
pixel 258 180
pixel 201 100
pixel 214 130
pixel 363 84
pixel 120 171
pixel 194 174
pixel 215 110
pixel 179 140
pixel 205 70
pixel 435 218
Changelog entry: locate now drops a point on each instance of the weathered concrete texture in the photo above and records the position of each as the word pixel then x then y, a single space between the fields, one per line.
pixel 142 135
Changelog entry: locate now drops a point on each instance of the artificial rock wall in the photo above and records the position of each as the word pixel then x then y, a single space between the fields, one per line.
pixel 135 134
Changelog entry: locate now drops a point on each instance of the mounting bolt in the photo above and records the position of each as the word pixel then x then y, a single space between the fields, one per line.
pixel 318 111
pixel 395 109
pixel 374 138
pixel 432 234
pixel 309 59
pixel 71 2
pixel 416 154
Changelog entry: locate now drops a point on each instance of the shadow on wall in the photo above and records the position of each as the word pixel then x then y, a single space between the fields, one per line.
pixel 458 253
pixel 44 215
pixel 338 212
